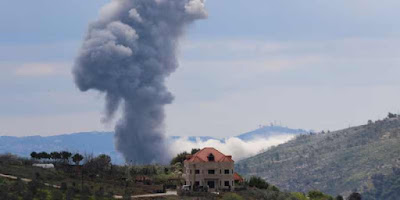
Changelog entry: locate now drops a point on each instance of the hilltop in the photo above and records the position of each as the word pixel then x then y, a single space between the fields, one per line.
pixel 334 162
pixel 269 131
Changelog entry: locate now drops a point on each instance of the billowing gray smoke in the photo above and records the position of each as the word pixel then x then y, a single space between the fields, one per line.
pixel 127 54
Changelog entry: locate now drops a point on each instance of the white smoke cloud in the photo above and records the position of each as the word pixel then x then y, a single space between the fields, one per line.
pixel 239 149
pixel 196 8
pixel 133 13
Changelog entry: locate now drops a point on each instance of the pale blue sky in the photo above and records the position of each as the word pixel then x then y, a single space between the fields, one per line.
pixel 313 64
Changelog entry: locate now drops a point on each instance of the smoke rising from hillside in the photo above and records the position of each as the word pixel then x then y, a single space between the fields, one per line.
pixel 127 54
pixel 239 149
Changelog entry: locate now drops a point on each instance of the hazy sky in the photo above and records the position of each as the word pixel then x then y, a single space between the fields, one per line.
pixel 314 64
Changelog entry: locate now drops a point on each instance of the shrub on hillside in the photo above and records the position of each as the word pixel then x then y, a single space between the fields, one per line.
pixel 258 183
pixel 354 196
pixel 232 196
pixel 98 164
pixel 299 196
pixel 317 195
pixel 56 195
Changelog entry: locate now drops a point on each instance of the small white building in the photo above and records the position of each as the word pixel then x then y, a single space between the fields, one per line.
pixel 44 166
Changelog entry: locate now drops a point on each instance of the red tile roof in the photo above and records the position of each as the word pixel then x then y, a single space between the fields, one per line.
pixel 237 177
pixel 202 156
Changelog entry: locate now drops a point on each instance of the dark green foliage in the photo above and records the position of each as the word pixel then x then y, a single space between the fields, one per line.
pixel 43 155
pixel 317 195
pixel 99 194
pixel 27 195
pixel 354 196
pixel 274 188
pixel 55 156
pixel 85 193
pixel 34 186
pixel 127 195
pixel 391 115
pixel 70 194
pixel 64 187
pixel 99 164
pixel 258 194
pixel 77 158
pixel 385 187
pixel 34 155
pixel 194 151
pixel 56 195
pixel 232 196
pixel 41 195
pixel 18 187
pixel 313 194
pixel 179 158
pixel 258 183
pixel 65 155
pixel 339 197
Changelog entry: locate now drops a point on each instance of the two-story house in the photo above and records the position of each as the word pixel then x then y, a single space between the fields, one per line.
pixel 211 168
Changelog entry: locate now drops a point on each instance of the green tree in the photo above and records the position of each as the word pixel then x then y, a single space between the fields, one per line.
pixel 194 151
pixel 34 155
pixel 55 156
pixel 339 197
pixel 66 156
pixel 98 164
pixel 77 158
pixel 43 155
pixel 180 158
pixel 258 183
pixel 354 196
pixel 391 115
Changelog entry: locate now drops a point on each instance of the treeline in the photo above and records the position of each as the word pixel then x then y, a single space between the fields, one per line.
pixel 55 156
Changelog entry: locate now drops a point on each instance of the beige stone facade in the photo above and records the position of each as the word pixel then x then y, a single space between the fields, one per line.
pixel 210 168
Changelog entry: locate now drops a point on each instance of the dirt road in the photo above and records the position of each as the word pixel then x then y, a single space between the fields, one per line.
pixel 27 180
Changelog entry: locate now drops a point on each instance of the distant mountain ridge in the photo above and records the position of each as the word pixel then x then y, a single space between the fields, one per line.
pixel 103 142
pixel 268 131
pixel 336 162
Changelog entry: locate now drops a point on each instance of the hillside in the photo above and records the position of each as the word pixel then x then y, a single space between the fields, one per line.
pixel 335 163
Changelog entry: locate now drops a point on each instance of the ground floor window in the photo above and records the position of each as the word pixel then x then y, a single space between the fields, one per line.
pixel 211 184
pixel 226 183
pixel 197 183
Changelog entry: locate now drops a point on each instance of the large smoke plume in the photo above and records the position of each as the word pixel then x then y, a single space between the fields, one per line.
pixel 127 54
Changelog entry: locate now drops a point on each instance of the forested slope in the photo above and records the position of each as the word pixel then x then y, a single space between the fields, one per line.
pixel 336 162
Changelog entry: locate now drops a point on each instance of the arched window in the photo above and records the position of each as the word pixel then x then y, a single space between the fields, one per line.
pixel 210 157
